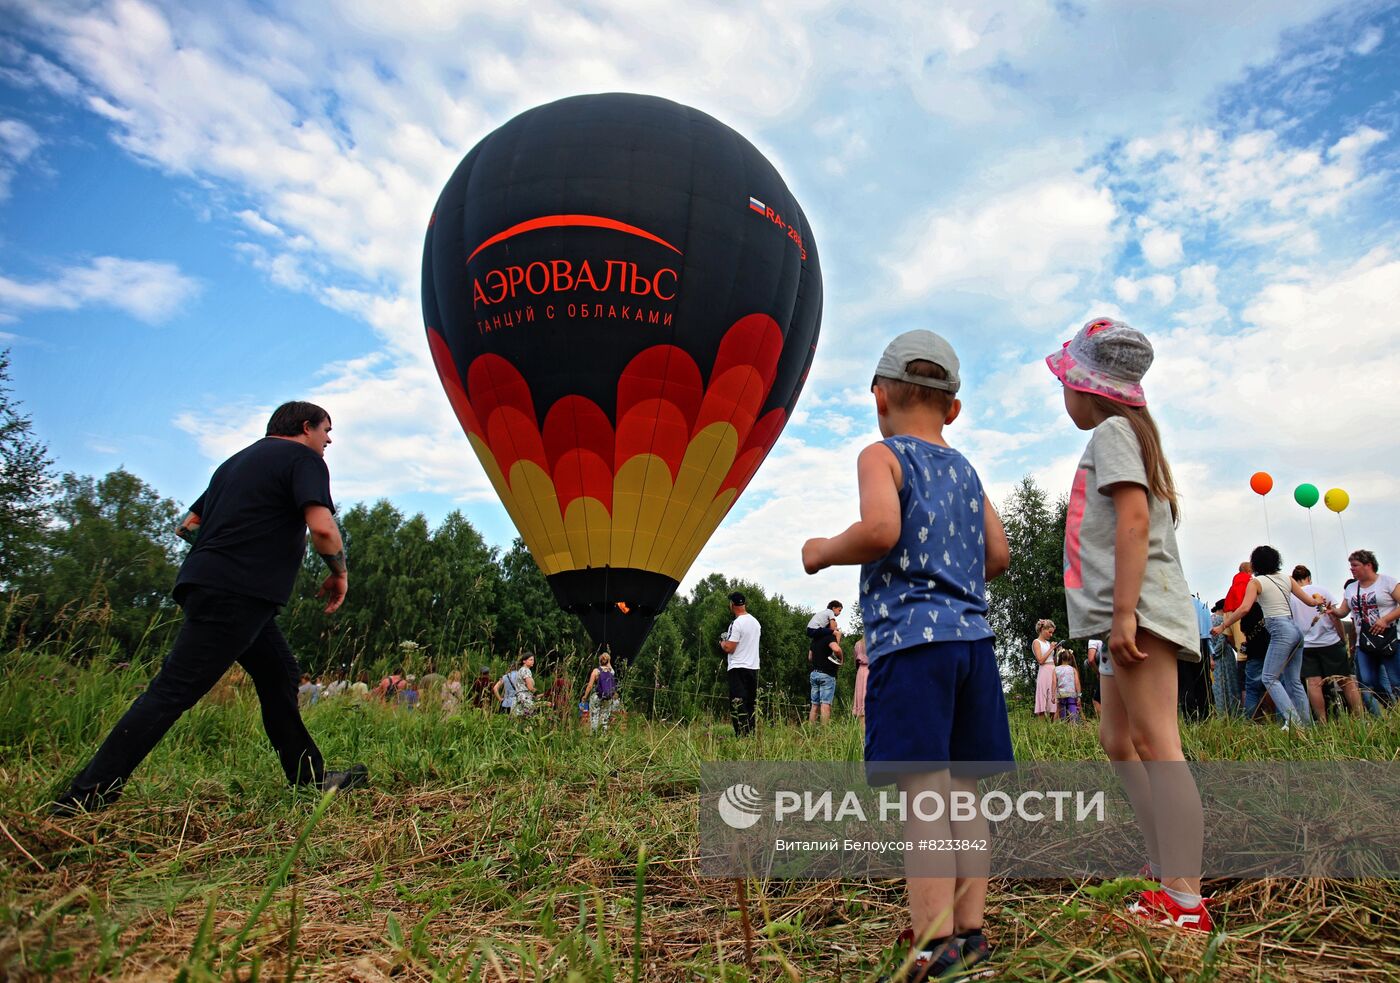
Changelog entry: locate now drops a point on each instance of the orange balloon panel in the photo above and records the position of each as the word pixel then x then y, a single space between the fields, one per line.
pixel 646 496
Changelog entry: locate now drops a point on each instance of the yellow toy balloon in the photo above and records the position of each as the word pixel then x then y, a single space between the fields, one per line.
pixel 1336 500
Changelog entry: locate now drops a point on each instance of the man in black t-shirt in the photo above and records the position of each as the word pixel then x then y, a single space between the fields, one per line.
pixel 249 534
pixel 824 653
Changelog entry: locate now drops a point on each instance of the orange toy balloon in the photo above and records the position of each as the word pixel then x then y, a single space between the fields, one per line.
pixel 1262 482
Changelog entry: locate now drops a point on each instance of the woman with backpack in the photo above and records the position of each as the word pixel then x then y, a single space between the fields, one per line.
pixel 516 689
pixel 603 701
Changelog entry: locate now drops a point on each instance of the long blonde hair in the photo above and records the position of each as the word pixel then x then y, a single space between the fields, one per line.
pixel 1154 461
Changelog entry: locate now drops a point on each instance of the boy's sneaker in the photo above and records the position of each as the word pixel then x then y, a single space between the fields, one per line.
pixel 1158 906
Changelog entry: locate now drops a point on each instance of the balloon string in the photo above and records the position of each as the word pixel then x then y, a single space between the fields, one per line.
pixel 1344 532
pixel 1268 536
pixel 1311 533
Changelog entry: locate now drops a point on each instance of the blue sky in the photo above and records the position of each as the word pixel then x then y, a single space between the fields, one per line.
pixel 207 209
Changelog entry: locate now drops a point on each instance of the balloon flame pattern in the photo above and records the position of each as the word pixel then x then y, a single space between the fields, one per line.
pixel 646 494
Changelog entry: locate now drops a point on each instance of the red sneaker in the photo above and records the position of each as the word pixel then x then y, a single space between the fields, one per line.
pixel 1158 906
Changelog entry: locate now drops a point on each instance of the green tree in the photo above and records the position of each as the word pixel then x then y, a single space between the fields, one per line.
pixel 408 583
pixel 110 562
pixel 26 482
pixel 1034 586
pixel 529 618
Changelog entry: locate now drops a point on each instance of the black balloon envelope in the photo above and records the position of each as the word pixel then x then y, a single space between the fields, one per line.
pixel 622 299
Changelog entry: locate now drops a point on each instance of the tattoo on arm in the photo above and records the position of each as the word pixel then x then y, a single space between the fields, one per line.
pixel 336 561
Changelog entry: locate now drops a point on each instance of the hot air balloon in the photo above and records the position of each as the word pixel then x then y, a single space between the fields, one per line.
pixel 622 300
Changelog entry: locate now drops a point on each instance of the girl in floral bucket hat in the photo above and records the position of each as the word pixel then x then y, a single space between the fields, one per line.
pixel 1123 577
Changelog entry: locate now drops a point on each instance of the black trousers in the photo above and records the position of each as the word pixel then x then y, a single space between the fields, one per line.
pixel 1193 685
pixel 219 629
pixel 743 690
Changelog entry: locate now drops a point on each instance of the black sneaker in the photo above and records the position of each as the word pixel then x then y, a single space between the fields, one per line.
pixel 975 952
pixel 72 803
pixel 356 776
pixel 957 958
pixel 931 964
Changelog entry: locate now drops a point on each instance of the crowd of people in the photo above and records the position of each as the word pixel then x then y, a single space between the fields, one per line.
pixel 1275 647
pixel 513 693
pixel 1277 643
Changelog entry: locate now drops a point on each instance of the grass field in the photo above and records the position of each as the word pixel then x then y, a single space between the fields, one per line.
pixel 486 851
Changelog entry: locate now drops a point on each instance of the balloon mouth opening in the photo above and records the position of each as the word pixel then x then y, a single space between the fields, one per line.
pixel 617 605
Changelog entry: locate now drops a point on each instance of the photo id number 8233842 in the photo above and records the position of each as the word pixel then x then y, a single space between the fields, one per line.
pixel 953 845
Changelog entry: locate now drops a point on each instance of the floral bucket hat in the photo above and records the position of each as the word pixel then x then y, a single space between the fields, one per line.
pixel 1105 358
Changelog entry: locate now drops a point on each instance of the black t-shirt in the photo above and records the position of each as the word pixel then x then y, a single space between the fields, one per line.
pixel 1256 633
pixel 252 531
pixel 822 660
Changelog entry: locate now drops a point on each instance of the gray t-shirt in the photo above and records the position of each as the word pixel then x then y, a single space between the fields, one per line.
pixel 1164 608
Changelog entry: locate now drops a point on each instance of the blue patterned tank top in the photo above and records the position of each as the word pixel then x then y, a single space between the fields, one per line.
pixel 932 587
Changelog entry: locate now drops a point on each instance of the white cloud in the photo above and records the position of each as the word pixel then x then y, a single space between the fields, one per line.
pixel 1369 41
pixel 1253 181
pixel 764 542
pixel 28 70
pixel 1161 247
pixel 1039 239
pixel 148 291
pixel 18 141
pixel 1291 237
pixel 258 224
pixel 394 431
pixel 1161 287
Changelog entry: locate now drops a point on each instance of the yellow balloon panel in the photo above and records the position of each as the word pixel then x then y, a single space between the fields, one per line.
pixel 707 460
pixel 543 529
pixel 589 530
pixel 714 515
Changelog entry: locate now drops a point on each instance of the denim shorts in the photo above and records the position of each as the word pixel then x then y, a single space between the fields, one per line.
pixel 823 687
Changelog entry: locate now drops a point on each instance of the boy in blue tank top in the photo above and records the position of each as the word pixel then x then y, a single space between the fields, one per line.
pixel 928 540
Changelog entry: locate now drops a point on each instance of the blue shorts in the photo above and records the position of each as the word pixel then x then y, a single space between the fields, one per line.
pixel 823 687
pixel 937 705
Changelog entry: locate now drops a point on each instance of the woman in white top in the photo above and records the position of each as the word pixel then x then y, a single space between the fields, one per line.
pixel 1373 601
pixel 1044 651
pixel 1283 663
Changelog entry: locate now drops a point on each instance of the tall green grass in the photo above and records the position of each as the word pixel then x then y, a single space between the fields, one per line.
pixel 491 849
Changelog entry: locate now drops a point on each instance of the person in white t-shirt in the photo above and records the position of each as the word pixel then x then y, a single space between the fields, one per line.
pixel 740 643
pixel 1324 652
pixel 1374 602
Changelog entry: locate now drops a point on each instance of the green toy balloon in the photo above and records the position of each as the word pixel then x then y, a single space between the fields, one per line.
pixel 1306 495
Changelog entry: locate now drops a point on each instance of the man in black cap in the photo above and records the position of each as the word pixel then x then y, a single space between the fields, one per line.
pixel 740 642
pixel 249 534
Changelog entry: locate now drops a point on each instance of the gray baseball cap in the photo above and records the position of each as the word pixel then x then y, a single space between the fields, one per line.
pixel 920 345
